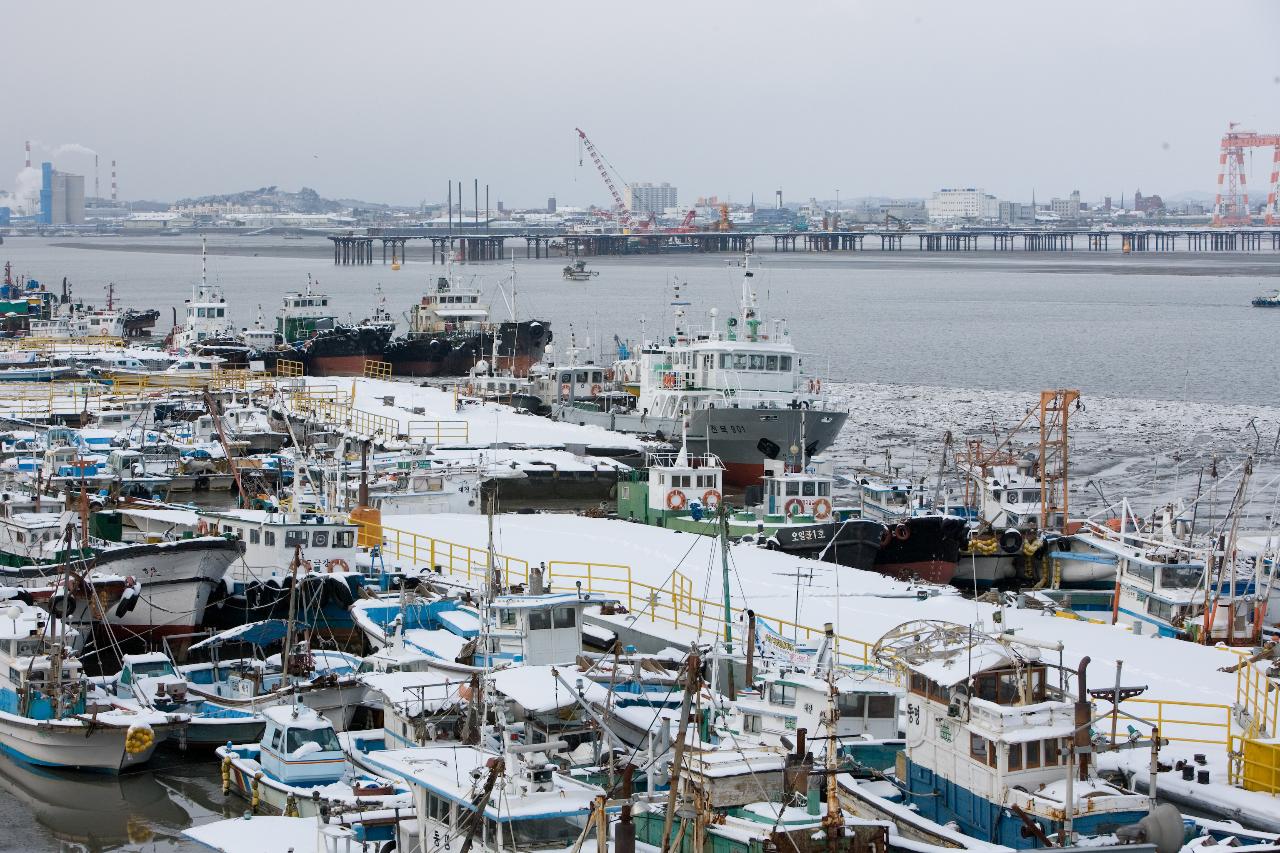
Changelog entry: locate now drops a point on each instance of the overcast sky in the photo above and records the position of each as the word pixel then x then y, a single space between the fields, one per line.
pixel 387 101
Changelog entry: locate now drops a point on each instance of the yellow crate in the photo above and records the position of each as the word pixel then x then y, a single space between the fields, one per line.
pixel 377 369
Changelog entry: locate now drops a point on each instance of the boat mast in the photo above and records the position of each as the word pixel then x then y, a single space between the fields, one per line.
pixel 721 510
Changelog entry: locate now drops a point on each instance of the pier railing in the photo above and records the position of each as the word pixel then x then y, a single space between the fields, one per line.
pixel 672 602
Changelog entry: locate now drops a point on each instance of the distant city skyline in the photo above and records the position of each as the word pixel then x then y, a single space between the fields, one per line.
pixel 894 100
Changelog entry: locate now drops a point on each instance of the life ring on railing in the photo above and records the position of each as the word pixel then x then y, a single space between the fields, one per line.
pixel 338 563
pixel 669 380
pixel 676 499
pixel 815 386
pixel 711 499
pixel 471 389
pixel 595 390
pixel 822 509
pixel 565 389
pixel 901 532
pixel 795 506
pixel 202 528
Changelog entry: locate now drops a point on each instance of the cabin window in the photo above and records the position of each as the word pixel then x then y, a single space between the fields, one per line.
pixel 919 684
pixel 268 538
pixel 751 724
pixel 1009 689
pixel 539 620
pixel 810 488
pixel 1032 754
pixel 740 362
pixel 324 738
pixel 771 362
pixel 977 747
pixel 881 707
pixel 222 312
pixel 782 694
pixel 20 536
pixel 254 536
pixel 1037 684
pixel 793 488
pixel 435 484
pixel 565 617
pixel 1052 746
pixel 851 705
pixel 757 362
pixel 343 539
pixel 294 538
pixel 597 376
pixel 506 616
pixel 824 489
pixel 1015 756
pixel 939 693
pixel 581 377
pixel 275 739
pixel 199 312
pixel 784 362
pixel 320 539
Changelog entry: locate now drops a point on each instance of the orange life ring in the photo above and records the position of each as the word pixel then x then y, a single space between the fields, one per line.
pixel 669 381
pixel 565 389
pixel 676 499
pixel 202 527
pixel 886 536
pixel 711 499
pixel 471 389
pixel 595 390
pixel 337 562
pixel 793 504
pixel 901 532
pixel 810 386
pixel 822 509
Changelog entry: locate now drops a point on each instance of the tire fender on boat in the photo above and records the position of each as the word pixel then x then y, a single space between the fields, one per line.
pixel 1011 541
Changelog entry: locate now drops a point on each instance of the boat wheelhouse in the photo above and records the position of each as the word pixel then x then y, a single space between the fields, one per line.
pixel 449 307
pixel 543 628
pixel 303 315
pixel 205 313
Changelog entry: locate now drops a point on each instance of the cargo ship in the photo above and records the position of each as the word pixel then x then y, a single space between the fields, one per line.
pixel 450 332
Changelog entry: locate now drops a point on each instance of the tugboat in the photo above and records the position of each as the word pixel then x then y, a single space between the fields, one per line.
pixel 205 316
pixel 577 271
pixel 450 331
pixel 1267 300
pixel 328 347
pixel 740 386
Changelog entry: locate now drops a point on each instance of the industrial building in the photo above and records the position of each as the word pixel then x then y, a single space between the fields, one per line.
pixel 970 203
pixel 61 197
pixel 649 198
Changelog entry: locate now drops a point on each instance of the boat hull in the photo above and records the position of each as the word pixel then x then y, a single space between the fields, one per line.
pixel 984 570
pixel 519 345
pixel 924 547
pixel 64 743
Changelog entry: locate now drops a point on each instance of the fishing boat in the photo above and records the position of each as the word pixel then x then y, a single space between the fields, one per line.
pixel 298 767
pixel 205 315
pixel 450 331
pixel 683 491
pixel 993 746
pixel 740 387
pixel 150 681
pixel 1267 300
pixel 577 271
pixel 48 715
pixel 327 346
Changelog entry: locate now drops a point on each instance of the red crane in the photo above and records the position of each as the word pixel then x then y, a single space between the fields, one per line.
pixel 624 213
pixel 1231 207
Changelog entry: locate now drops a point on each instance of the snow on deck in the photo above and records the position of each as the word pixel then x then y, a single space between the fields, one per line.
pixel 854 601
pixel 488 423
pixel 262 834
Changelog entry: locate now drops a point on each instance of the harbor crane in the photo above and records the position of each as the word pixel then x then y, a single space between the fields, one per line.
pixel 1231 205
pixel 624 213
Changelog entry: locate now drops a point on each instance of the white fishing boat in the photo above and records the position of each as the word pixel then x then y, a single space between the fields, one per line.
pixel 48 714
pixel 205 313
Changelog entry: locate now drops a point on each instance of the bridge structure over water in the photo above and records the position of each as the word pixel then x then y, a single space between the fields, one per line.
pixel 493 246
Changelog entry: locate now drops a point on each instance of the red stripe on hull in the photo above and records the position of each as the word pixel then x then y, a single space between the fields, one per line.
pixel 930 571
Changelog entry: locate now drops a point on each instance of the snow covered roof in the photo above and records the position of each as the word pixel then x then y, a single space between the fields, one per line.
pixel 550 600
pixel 538 691
pixel 415 692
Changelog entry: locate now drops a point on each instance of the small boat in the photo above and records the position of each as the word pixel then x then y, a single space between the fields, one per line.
pixel 49 715
pixel 298 767
pixel 577 271
pixel 151 682
pixel 1267 300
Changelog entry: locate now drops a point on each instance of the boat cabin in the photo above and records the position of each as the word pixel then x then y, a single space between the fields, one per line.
pixel 450 307
pixel 270 539
pixel 539 629
pixel 300 747
pixel 798 493
pixel 302 315
pixel 32 683
pixel 681 482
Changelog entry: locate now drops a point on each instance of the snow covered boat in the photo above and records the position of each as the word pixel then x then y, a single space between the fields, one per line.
pixel 48 714
pixel 299 767
pixel 992 746
pixel 151 682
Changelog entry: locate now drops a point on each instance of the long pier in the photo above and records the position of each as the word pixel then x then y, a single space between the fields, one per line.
pixel 489 246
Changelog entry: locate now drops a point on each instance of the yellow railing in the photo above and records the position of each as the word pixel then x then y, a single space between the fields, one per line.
pixel 377 369
pixel 1255 752
pixel 287 369
pixel 1258 697
pixel 673 602
pixel 335 409
pixel 440 432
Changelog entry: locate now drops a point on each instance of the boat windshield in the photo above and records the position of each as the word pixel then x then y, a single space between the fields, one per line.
pixel 1184 577
pixel 324 738
pixel 543 832
pixel 150 668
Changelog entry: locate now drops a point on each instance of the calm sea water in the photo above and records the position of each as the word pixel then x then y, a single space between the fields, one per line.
pixel 1159 326
pixel 1165 327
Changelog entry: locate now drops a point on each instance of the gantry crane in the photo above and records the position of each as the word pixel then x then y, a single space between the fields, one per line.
pixel 624 213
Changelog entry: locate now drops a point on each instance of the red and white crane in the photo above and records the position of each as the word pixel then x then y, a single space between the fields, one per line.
pixel 624 213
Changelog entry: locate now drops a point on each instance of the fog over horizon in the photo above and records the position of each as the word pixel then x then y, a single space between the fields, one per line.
pixel 388 103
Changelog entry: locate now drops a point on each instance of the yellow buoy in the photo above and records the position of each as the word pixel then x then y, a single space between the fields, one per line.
pixel 395 266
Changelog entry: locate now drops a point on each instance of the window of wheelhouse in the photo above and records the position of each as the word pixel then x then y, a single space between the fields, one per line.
pixel 1015 756
pixel 981 749
pixel 1031 752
